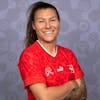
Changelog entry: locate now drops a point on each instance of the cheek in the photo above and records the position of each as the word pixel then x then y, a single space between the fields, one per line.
pixel 39 28
pixel 56 26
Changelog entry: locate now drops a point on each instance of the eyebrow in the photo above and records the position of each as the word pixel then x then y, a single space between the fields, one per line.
pixel 44 18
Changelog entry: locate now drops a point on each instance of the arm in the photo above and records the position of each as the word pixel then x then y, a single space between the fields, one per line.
pixel 42 92
pixel 79 93
pixel 82 87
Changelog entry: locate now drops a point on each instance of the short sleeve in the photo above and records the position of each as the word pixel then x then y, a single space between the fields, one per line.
pixel 30 69
pixel 78 72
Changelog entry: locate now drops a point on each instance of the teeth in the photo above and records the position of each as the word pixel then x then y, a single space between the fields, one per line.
pixel 48 32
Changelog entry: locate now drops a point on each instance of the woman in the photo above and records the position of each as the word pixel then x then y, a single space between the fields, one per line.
pixel 49 71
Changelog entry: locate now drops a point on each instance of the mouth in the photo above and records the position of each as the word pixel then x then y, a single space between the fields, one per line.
pixel 49 32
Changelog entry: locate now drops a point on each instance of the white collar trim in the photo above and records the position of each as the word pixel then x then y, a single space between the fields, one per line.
pixel 53 55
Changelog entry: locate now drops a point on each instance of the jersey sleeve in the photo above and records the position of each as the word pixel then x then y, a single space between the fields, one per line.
pixel 78 72
pixel 30 69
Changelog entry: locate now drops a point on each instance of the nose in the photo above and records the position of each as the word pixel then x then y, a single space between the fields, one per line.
pixel 47 24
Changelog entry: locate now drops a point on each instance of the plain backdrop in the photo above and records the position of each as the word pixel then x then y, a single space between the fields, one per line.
pixel 80 31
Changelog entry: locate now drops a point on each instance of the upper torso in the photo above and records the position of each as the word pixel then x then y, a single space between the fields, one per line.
pixel 55 70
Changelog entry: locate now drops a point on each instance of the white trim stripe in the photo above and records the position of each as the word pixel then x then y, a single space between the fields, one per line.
pixel 53 55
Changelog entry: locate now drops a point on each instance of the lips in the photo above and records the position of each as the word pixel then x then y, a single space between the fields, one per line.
pixel 48 32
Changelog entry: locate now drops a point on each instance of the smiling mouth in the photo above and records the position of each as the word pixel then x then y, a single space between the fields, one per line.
pixel 49 32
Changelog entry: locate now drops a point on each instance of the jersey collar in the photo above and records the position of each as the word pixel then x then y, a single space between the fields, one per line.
pixel 53 55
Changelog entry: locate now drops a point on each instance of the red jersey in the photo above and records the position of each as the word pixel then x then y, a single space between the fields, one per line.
pixel 36 65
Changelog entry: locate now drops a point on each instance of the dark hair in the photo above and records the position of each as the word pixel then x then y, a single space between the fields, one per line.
pixel 31 35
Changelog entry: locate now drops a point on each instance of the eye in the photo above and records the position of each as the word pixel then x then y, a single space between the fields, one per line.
pixel 53 20
pixel 40 21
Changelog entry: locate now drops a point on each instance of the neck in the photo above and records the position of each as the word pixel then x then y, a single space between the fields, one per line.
pixel 51 47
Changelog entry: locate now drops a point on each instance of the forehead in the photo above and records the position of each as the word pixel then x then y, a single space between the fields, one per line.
pixel 44 13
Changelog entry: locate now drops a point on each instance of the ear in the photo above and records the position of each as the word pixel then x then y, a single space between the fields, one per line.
pixel 33 25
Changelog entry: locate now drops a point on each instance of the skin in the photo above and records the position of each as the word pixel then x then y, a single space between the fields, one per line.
pixel 47 26
pixel 42 92
pixel 46 20
pixel 79 93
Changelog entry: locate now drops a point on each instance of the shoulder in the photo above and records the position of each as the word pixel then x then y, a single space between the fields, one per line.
pixel 29 51
pixel 65 49
pixel 66 52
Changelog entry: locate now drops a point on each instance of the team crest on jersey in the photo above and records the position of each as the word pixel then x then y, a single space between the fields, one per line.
pixel 60 68
pixel 71 68
pixel 48 71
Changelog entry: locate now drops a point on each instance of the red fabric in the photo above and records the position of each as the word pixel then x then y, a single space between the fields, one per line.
pixel 37 66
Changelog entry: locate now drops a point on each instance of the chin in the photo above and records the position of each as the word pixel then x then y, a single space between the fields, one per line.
pixel 50 41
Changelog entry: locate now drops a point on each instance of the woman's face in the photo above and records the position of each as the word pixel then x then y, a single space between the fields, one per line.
pixel 46 24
